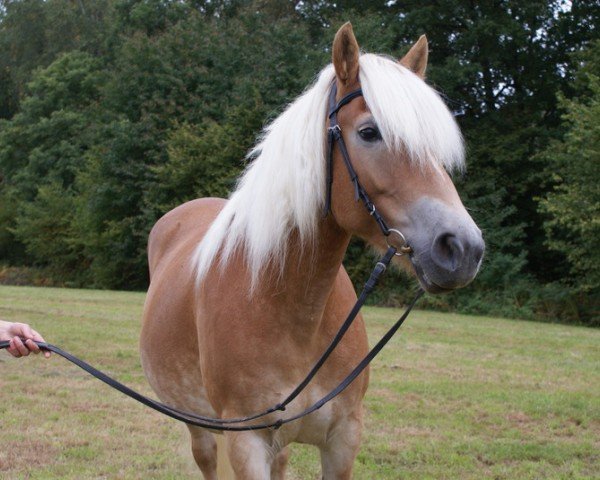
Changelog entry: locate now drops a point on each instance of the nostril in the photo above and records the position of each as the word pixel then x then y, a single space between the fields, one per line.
pixel 447 251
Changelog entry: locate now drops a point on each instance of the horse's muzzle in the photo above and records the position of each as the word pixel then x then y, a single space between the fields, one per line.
pixel 447 245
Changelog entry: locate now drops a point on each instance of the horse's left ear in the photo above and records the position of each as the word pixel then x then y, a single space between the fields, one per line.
pixel 416 58
pixel 345 53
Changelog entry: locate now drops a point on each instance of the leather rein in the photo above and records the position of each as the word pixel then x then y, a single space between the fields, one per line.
pixel 334 134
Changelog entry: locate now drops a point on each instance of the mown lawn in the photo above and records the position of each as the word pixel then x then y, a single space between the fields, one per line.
pixel 452 397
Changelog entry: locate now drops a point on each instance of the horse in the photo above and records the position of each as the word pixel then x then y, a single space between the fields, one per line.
pixel 246 293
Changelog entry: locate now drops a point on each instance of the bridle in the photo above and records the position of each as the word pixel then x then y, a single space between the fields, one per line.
pixel 232 424
pixel 334 135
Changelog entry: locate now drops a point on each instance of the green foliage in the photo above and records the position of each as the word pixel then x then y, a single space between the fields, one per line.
pixel 11 250
pixel 110 221
pixel 45 138
pixel 44 227
pixel 573 205
pixel 43 145
pixel 203 162
pixel 33 33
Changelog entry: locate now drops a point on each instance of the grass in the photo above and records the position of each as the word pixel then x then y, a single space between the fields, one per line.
pixel 452 397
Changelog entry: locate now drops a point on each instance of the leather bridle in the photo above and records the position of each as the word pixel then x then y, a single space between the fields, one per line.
pixel 334 136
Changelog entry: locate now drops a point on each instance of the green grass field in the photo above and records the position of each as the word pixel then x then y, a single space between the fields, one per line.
pixel 452 397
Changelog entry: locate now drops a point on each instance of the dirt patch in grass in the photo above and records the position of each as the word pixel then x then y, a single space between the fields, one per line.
pixel 26 454
pixel 518 418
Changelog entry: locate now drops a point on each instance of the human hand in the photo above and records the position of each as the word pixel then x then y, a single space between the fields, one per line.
pixel 19 348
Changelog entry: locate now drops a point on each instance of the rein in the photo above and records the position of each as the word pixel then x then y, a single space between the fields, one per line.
pixel 222 424
pixel 228 424
pixel 225 424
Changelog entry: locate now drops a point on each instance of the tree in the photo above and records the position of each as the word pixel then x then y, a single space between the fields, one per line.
pixel 44 144
pixel 573 204
pixel 33 33
pixel 44 227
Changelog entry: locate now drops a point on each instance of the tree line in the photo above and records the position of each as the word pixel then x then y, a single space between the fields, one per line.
pixel 112 112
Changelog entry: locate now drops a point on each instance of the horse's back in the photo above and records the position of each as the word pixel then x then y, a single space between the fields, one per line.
pixel 185 223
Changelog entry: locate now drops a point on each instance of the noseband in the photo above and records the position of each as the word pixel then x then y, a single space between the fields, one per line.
pixel 334 135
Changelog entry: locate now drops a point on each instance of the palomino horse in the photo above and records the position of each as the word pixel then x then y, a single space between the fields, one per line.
pixel 245 294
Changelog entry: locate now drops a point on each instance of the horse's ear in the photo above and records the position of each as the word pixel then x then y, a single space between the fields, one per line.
pixel 345 53
pixel 416 58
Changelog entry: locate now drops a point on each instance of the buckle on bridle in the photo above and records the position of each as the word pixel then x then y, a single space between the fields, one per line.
pixel 403 249
pixel 334 130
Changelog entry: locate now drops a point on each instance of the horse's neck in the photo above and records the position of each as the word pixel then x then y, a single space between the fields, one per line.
pixel 309 274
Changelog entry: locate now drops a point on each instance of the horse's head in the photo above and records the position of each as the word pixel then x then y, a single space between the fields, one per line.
pixel 401 139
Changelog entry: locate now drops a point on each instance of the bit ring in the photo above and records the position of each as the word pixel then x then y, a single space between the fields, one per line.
pixel 403 249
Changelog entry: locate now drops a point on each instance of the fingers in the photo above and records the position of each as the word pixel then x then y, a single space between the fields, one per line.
pixel 23 330
pixel 32 346
pixel 17 348
pixel 38 338
pixel 12 348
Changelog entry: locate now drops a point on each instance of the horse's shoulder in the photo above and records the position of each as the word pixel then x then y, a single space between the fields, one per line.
pixel 184 224
pixel 343 291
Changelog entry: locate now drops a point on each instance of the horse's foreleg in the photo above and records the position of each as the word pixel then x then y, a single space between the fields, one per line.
pixel 249 455
pixel 337 462
pixel 338 454
pixel 204 449
pixel 279 465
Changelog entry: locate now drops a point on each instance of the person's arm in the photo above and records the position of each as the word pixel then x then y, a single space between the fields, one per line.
pixel 13 332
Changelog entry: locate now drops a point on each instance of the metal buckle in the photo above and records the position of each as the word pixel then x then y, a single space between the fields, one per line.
pixel 402 249
pixel 334 129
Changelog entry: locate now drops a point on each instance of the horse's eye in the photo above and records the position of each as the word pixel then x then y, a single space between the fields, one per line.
pixel 369 134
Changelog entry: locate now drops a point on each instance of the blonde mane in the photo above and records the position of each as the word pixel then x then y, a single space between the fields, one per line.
pixel 283 189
